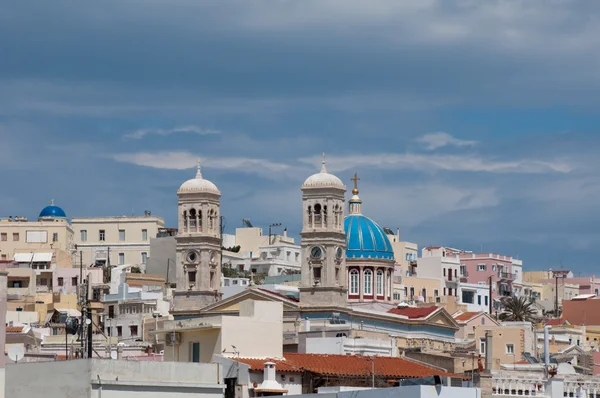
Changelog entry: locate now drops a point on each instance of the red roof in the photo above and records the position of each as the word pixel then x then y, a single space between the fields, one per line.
pixel 466 316
pixel 347 365
pixel 14 329
pixel 414 313
pixel 555 322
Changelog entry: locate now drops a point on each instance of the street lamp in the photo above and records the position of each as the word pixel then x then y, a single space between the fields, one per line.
pixel 278 224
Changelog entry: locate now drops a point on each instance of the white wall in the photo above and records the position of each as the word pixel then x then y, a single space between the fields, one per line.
pixel 408 391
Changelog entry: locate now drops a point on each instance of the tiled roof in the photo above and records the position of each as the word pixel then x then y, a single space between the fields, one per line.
pixel 14 329
pixel 466 316
pixel 554 322
pixel 413 313
pixel 347 365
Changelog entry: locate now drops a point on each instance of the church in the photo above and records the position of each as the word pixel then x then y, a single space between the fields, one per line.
pixel 347 268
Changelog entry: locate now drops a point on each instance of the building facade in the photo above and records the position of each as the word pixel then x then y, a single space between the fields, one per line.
pixel 115 240
pixel 490 268
pixel 443 264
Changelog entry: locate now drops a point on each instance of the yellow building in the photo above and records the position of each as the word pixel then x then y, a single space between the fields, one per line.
pixel 509 341
pixel 115 240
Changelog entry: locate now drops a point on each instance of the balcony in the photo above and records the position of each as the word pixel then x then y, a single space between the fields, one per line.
pixel 507 276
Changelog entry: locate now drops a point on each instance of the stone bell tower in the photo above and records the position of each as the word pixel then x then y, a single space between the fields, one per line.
pixel 323 241
pixel 198 257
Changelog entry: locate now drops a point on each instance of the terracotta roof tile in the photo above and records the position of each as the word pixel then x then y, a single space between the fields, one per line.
pixel 466 316
pixel 554 322
pixel 14 329
pixel 413 313
pixel 347 365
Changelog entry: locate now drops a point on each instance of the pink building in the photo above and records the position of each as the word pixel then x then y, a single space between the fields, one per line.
pixel 481 267
pixel 66 280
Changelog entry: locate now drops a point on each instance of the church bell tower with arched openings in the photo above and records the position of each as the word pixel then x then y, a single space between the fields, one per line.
pixel 323 241
pixel 198 258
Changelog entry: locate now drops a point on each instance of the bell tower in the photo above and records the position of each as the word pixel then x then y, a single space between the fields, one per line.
pixel 323 241
pixel 198 253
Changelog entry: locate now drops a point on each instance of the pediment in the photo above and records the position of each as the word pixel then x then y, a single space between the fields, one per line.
pixel 233 303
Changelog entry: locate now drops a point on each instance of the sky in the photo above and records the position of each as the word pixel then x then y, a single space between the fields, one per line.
pixel 472 124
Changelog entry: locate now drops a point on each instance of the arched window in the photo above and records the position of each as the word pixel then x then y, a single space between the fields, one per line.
pixel 193 220
pixel 317 215
pixel 380 283
pixel 389 282
pixel 368 279
pixel 211 220
pixel 310 216
pixel 325 216
pixel 185 221
pixel 200 221
pixel 336 214
pixel 354 281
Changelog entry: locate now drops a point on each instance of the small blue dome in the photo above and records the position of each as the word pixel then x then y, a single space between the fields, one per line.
pixel 366 239
pixel 52 211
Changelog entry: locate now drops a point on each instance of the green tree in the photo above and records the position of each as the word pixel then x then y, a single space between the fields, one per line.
pixel 519 309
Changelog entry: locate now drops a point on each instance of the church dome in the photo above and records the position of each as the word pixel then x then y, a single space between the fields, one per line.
pixel 366 239
pixel 323 179
pixel 52 211
pixel 198 184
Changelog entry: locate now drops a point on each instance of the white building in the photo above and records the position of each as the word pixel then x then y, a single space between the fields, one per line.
pixel 443 264
pixel 124 312
pixel 475 296
pixel 115 240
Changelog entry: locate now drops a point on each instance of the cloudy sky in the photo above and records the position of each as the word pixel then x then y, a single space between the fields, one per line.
pixel 472 124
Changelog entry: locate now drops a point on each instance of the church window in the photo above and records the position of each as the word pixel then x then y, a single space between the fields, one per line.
pixel 337 275
pixel 380 283
pixel 211 220
pixel 368 279
pixel 212 279
pixel 310 216
pixel 317 274
pixel 185 220
pixel 317 215
pixel 353 281
pixel 193 220
pixel 325 216
pixel 192 276
pixel 336 216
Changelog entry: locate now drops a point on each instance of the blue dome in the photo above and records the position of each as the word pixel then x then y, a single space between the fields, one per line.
pixel 53 212
pixel 366 239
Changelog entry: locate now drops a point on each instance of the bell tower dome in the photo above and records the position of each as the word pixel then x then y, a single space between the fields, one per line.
pixel 198 253
pixel 323 241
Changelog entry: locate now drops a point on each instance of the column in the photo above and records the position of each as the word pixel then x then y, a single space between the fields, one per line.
pixel 361 282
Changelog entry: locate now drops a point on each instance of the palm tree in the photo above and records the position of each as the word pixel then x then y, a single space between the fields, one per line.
pixel 518 309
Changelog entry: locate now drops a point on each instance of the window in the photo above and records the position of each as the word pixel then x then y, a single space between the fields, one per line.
pixel 226 282
pixel 121 258
pixel 119 331
pixel 235 282
pixel 133 330
pixel 481 267
pixel 396 296
pixel 482 346
pixel 405 291
pixel 317 273
pixel 479 299
pixel 436 292
pixel 55 237
pixel 61 282
pixel 486 300
pixel 122 235
pixel 368 280
pixel 3 237
pixel 111 311
pixel 4 257
pixel 449 291
pixel 74 281
pixel 380 283
pixel 463 270
pixel 412 293
pixel 494 267
pixel 192 276
pixel 15 236
pixel 83 234
pixel 424 293
pixel 144 257
pixel 444 271
pixel 144 234
pixel 444 291
pixel 456 273
pixel 195 352
pixel 101 235
pixel 482 320
pixel 510 349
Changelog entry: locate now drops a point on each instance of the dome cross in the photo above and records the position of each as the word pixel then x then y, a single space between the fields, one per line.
pixel 198 171
pixel 355 179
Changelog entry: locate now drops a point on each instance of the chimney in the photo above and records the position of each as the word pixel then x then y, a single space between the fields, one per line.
pixel 307 325
pixel 547 345
pixel 488 352
pixel 285 232
pixel 270 386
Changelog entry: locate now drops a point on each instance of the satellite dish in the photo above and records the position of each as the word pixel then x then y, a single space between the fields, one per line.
pixel 113 355
pixel 88 321
pixel 16 353
pixel 539 346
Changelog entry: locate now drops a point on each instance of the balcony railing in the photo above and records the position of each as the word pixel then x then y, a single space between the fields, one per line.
pixel 518 387
pixel 506 276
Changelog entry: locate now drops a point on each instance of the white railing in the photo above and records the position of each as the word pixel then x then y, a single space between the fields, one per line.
pixel 518 387
pixel 581 388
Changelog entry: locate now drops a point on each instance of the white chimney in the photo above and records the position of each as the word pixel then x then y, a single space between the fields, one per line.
pixel 270 384
pixel 307 325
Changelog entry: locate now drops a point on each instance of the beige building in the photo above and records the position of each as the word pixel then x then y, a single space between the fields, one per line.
pixel 49 239
pixel 198 339
pixel 509 341
pixel 115 240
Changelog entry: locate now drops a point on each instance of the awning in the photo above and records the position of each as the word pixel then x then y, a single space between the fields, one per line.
pixel 23 257
pixel 42 257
